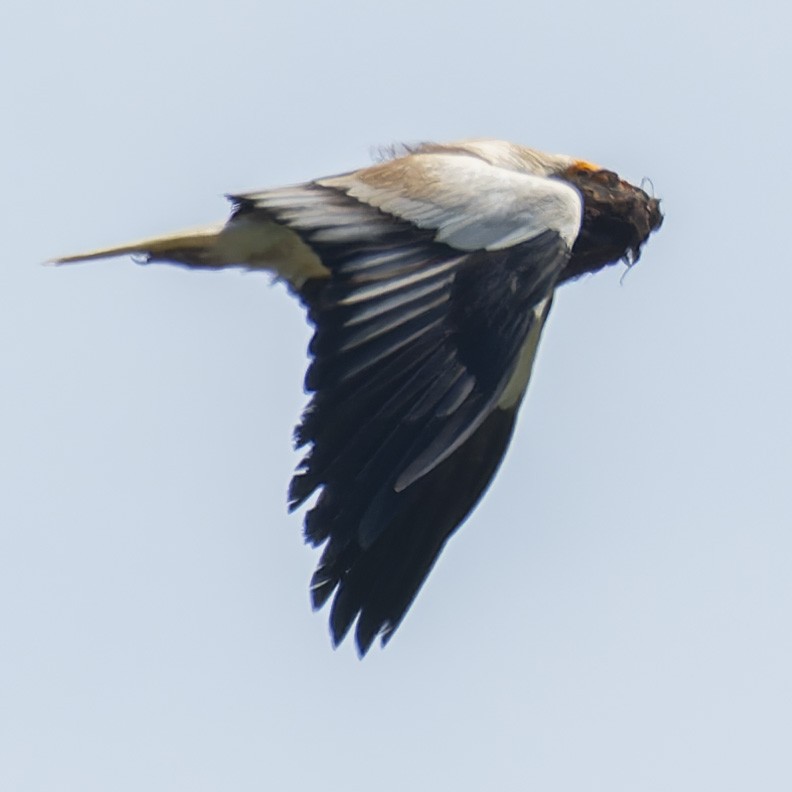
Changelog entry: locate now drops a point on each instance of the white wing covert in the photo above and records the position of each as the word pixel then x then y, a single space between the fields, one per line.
pixel 472 204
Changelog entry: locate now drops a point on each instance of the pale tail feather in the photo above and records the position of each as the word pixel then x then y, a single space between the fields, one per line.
pixel 248 243
pixel 197 242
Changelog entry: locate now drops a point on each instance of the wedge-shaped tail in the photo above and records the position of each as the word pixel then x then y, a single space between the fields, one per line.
pixel 250 243
pixel 196 244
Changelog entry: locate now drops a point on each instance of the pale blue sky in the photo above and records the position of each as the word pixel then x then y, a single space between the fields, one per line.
pixel 615 616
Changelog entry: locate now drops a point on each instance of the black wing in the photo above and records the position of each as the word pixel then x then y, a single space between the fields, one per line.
pixel 417 373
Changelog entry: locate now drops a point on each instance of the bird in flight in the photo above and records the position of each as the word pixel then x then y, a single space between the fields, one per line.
pixel 428 278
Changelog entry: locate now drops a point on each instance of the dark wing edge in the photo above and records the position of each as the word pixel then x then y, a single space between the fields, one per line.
pixel 414 345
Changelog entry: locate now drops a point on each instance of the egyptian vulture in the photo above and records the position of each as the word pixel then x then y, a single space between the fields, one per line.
pixel 428 278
